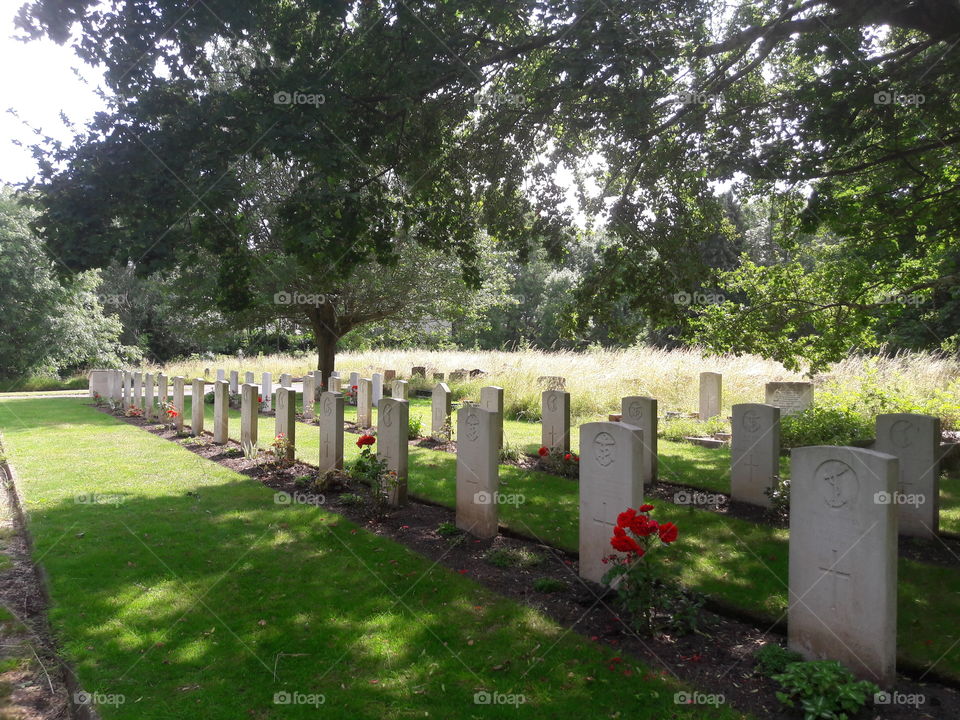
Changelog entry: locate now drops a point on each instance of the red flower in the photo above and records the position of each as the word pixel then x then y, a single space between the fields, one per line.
pixel 259 398
pixel 576 458
pixel 355 387
pixel 366 440
pixel 643 526
pixel 668 532
pixel 624 543
pixel 568 457
pixel 625 518
pixel 646 508
pixel 543 451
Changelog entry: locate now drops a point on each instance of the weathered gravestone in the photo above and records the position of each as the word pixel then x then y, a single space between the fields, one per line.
pixel 116 386
pixel 148 409
pixel 137 389
pixel 286 422
pixel 334 384
pixel 641 412
pixel 790 397
pixel 611 480
pixel 309 386
pixel 248 417
pixel 418 371
pixel 196 407
pixel 266 391
pixel 400 390
pixel 249 378
pixel 393 430
pixel 754 452
pixel 162 394
pixel 221 374
pixel 98 383
pixel 178 396
pixel 331 431
pixel 389 375
pixel 915 441
pixel 441 408
pixel 843 559
pixel 376 389
pixel 478 479
pixel 553 382
pixel 555 430
pixel 286 380
pixel 234 382
pixel 458 375
pixel 127 389
pixel 365 403
pixel 491 398
pixel 711 393
pixel 438 376
pixel 221 412
pixel 354 380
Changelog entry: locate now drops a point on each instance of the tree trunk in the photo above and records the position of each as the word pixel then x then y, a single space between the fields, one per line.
pixel 325 335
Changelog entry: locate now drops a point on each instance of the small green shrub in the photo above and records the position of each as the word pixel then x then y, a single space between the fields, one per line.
pixel 415 427
pixel 448 530
pixel 304 481
pixel 679 428
pixel 509 453
pixel 825 690
pixel 549 585
pixel 209 398
pixel 351 499
pixel 514 557
pixel 779 494
pixel 818 425
pixel 773 659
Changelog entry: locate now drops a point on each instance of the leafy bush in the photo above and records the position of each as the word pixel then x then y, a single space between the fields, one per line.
pixel 351 499
pixel 209 398
pixel 825 689
pixel 773 659
pixel 818 425
pixel 549 585
pixel 679 428
pixel 448 529
pixel 779 494
pixel 415 427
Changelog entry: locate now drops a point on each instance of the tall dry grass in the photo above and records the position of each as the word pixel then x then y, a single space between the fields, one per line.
pixel 598 379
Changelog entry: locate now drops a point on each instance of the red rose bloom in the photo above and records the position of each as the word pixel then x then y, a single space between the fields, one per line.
pixel 355 387
pixel 646 508
pixel 543 451
pixel 366 440
pixel 624 543
pixel 643 526
pixel 259 398
pixel 668 532
pixel 568 457
pixel 625 518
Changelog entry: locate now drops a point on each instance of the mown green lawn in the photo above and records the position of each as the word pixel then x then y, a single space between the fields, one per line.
pixel 184 588
pixel 737 562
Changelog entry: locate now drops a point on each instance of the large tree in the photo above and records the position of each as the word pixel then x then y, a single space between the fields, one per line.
pixel 442 117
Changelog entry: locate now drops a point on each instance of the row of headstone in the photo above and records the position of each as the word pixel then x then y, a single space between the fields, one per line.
pixel 789 397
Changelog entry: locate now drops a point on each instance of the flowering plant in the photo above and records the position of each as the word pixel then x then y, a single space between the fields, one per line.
pixel 565 464
pixel 365 440
pixel 372 471
pixel 655 604
pixel 134 411
pixel 282 449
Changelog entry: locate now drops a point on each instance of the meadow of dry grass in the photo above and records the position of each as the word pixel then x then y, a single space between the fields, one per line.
pixel 598 379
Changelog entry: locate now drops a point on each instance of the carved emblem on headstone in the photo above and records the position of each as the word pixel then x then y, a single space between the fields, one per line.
pixel 473 427
pixel 838 483
pixel 605 449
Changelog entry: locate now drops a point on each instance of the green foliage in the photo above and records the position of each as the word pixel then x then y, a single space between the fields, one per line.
pixel 825 690
pixel 779 494
pixel 773 659
pixel 818 425
pixel 415 428
pixel 352 500
pixel 448 529
pixel 549 585
pixel 514 557
pixel 679 428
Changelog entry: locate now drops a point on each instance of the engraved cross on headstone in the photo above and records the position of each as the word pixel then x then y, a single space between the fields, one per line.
pixel 836 575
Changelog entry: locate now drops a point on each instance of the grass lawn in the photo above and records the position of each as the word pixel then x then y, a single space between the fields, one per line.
pixel 737 562
pixel 185 589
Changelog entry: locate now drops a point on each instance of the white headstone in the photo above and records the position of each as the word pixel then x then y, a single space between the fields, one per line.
pixel 249 378
pixel 116 386
pixel 611 480
pixel 308 395
pixel 478 479
pixel 393 432
pixel 137 389
pixel 178 398
pixel 377 390
pixel 148 410
pixel 221 412
pixel 331 431
pixel 711 394
pixel 790 397
pixel 248 416
pixel 286 380
pixel 491 398
pixel 354 380
pixel 234 382
pixel 400 390
pixel 221 374
pixel 266 391
pixel 365 403
pixel 98 382
pixel 333 385
pixel 915 441
pixel 555 432
pixel 196 407
pixel 127 389
pixel 441 407
pixel 286 421
pixel 843 559
pixel 162 394
pixel 641 412
pixel 754 452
